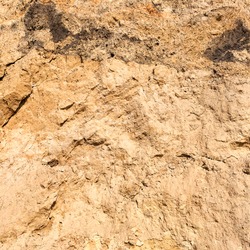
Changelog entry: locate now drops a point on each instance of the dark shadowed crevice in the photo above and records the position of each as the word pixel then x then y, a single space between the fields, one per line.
pixel 222 47
pixel 44 16
pixel 2 77
pixel 8 65
pixel 21 104
pixel 91 38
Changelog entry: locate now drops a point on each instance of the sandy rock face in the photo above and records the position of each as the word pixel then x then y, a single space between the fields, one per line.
pixel 124 125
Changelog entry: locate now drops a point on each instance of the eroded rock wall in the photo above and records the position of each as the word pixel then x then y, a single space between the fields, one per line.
pixel 124 124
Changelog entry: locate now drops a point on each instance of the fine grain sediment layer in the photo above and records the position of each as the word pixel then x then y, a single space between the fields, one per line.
pixel 124 124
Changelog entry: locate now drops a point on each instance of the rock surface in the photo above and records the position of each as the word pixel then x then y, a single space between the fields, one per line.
pixel 124 124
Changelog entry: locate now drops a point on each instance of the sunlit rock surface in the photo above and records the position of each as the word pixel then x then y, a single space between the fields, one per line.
pixel 124 125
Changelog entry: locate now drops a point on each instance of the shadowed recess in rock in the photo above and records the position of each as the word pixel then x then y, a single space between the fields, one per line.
pixel 44 16
pixel 92 38
pixel 222 47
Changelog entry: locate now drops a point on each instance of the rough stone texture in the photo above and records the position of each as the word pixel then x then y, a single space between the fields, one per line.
pixel 124 124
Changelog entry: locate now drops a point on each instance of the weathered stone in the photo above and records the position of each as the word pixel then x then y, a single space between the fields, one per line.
pixel 124 124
